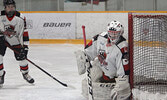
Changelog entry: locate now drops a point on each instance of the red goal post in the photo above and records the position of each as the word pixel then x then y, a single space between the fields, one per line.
pixel 148 52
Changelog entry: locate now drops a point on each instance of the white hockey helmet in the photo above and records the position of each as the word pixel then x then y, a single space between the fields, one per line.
pixel 115 30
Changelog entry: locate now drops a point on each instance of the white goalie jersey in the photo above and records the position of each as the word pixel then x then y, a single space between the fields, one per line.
pixel 15 24
pixel 112 59
pixel 115 55
pixel 107 57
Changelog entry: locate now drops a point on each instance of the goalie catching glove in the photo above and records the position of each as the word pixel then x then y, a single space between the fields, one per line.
pixel 82 61
pixel 121 90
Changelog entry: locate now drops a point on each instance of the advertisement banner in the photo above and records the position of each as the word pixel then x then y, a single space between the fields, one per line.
pixel 51 25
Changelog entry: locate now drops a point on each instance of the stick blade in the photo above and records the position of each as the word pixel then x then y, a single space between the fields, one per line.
pixel 70 86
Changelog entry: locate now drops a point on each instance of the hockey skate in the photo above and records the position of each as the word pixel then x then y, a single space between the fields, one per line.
pixel 2 79
pixel 28 78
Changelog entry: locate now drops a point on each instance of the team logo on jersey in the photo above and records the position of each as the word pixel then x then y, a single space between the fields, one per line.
pixel 102 57
pixel 9 31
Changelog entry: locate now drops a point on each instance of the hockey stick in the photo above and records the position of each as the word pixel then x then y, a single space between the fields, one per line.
pixel 90 87
pixel 41 68
pixel 84 35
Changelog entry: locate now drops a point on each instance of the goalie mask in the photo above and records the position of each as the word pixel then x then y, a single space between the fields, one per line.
pixel 115 30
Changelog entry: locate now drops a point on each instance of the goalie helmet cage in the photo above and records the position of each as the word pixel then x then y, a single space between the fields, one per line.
pixel 148 55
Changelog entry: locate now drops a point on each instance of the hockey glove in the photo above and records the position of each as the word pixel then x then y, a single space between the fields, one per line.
pixel 23 52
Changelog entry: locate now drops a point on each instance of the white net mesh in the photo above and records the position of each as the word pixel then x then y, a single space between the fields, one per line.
pixel 150 53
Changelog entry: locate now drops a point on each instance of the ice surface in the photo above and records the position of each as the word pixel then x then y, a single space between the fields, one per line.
pixel 57 59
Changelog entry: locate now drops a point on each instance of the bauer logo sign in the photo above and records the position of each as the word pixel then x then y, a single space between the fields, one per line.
pixel 51 25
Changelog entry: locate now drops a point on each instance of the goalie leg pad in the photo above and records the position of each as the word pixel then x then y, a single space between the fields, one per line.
pixel 101 91
pixel 121 90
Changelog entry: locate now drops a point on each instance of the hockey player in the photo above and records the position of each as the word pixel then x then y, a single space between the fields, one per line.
pixel 13 33
pixel 109 50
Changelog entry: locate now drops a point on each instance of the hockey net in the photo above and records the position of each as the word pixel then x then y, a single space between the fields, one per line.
pixel 148 56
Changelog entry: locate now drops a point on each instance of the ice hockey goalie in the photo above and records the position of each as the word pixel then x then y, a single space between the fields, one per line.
pixel 108 54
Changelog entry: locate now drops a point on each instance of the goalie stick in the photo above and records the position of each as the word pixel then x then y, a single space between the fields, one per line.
pixel 90 87
pixel 41 69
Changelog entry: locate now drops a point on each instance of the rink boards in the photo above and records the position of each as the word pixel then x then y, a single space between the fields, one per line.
pixel 59 25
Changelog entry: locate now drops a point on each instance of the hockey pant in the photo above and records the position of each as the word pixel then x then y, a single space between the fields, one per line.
pixel 22 62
